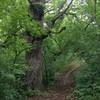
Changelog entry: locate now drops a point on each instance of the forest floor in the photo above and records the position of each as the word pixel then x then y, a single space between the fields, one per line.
pixel 62 89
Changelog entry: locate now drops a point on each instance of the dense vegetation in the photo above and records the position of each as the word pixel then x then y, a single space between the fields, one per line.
pixel 73 36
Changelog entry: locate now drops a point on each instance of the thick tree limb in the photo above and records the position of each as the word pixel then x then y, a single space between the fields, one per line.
pixel 56 17
pixel 42 37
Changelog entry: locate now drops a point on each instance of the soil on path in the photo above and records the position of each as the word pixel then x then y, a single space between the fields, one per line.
pixel 63 88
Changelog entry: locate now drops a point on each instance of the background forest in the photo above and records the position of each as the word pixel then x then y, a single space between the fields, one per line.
pixel 70 32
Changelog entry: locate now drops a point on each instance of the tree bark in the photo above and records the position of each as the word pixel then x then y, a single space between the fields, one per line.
pixel 34 56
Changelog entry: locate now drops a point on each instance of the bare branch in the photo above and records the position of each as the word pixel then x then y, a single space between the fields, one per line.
pixel 87 25
pixel 19 53
pixel 56 17
pixel 93 18
pixel 61 5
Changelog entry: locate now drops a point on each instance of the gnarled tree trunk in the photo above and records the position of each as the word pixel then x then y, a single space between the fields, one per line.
pixel 34 56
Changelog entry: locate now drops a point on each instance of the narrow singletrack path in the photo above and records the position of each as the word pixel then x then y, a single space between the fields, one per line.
pixel 62 89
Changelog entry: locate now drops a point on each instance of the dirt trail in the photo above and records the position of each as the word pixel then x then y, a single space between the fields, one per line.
pixel 62 89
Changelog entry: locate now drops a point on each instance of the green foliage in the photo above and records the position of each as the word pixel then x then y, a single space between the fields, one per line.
pixel 88 83
pixel 10 77
pixel 76 42
pixel 87 78
pixel 80 40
